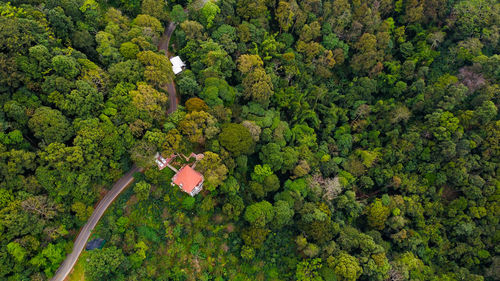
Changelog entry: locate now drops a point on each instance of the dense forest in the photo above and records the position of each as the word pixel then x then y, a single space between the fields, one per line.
pixel 343 139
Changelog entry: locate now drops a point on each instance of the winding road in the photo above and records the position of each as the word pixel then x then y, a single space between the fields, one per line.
pixel 84 235
pixel 85 232
pixel 170 87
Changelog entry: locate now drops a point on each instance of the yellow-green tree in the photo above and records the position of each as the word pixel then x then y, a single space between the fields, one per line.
pixel 377 214
pixel 199 126
pixel 212 168
pixel 158 68
pixel 345 266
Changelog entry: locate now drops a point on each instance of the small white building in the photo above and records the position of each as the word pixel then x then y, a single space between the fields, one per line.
pixel 160 161
pixel 177 64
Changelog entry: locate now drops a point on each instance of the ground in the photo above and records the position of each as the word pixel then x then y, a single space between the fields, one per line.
pixel 78 273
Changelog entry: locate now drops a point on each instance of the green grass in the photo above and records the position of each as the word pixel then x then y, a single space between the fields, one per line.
pixel 78 273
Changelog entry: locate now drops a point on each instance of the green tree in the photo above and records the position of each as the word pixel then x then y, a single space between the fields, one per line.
pixel 247 253
pixel 368 55
pixel 443 124
pixel 217 92
pixel 82 212
pixel 62 24
pixel 377 214
pixel 283 214
pixel 260 172
pixel 271 155
pixel 230 186
pixel 60 172
pixel 49 258
pixel 16 251
pixel 50 125
pixel 143 154
pixel 472 16
pixel 259 214
pixel 131 71
pixel 193 29
pixel 257 86
pixel 253 9
pixel 233 207
pixel 290 158
pixel 486 112
pixel 84 101
pixel 102 145
pixel 103 264
pixel 308 270
pixel 226 36
pixel 177 14
pixel 65 66
pixel 199 126
pixel 196 104
pixel 149 103
pixel 285 14
pixel 188 203
pixel 236 138
pixel 106 47
pixel 158 69
pixel 141 190
pixel 346 267
pixel 172 143
pixel 129 50
pixel 187 84
pixel 254 236
pixel 155 8
pixel 212 168
pixel 247 63
pixel 208 13
pixel 150 25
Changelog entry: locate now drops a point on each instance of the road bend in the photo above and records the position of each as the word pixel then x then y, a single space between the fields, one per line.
pixel 170 87
pixel 119 186
pixel 85 232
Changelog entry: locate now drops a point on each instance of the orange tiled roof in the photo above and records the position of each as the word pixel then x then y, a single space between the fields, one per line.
pixel 187 178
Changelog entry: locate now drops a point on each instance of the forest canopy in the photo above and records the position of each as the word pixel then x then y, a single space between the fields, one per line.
pixel 342 139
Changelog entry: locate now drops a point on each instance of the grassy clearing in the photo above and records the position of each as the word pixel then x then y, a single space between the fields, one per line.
pixel 78 273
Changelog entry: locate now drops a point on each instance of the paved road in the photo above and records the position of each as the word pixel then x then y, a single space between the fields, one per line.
pixel 170 87
pixel 85 232
pixel 117 188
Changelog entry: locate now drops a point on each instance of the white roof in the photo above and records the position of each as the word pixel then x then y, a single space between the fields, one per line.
pixel 177 64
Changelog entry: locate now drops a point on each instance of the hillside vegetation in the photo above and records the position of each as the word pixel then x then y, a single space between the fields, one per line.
pixel 342 139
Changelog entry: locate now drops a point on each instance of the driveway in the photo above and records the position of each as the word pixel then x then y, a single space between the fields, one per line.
pixel 170 87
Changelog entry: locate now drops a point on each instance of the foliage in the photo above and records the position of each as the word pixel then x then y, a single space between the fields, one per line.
pixel 103 264
pixel 208 13
pixel 50 125
pixel 308 270
pixel 236 138
pixel 260 213
pixel 341 140
pixel 345 266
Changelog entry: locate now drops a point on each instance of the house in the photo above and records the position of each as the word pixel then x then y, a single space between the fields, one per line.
pixel 177 64
pixel 188 180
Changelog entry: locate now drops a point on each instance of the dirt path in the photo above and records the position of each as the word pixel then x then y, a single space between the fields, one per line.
pixel 170 87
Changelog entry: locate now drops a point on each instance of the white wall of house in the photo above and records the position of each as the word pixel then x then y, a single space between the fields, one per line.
pixel 197 189
pixel 177 64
